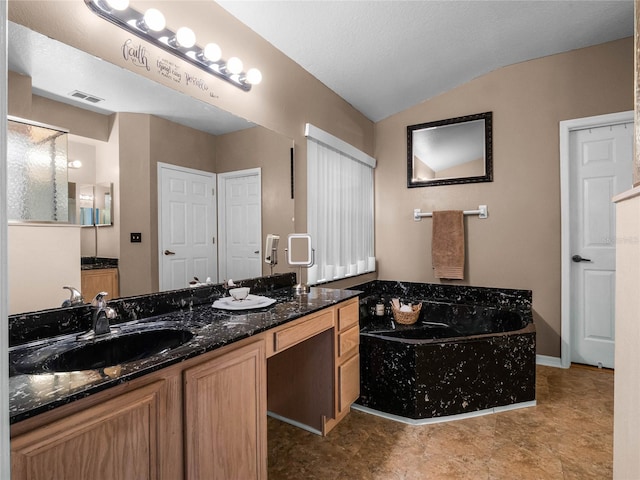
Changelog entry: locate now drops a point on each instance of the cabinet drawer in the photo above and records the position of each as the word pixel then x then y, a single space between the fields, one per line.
pixel 290 336
pixel 349 378
pixel 348 315
pixel 348 340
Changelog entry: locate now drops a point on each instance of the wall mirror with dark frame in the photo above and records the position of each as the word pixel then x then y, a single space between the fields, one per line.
pixel 451 151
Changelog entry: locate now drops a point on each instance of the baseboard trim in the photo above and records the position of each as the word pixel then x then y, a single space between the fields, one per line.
pixel 449 418
pixel 294 423
pixel 548 361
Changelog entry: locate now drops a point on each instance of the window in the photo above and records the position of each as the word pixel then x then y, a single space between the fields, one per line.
pixel 339 207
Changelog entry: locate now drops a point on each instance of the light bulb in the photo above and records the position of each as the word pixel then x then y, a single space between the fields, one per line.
pixel 212 52
pixel 254 76
pixel 185 37
pixel 154 19
pixel 74 164
pixel 118 4
pixel 234 65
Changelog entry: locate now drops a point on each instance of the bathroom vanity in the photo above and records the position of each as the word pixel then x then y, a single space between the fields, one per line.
pixel 198 410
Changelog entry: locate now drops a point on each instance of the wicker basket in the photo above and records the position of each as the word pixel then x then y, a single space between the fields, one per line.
pixel 406 318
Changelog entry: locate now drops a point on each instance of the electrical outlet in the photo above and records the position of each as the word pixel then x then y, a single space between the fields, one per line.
pixel 136 237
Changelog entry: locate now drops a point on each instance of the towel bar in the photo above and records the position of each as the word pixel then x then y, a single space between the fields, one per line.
pixel 482 212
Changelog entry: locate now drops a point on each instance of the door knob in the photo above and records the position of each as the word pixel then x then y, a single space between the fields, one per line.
pixel 169 252
pixel 257 252
pixel 578 259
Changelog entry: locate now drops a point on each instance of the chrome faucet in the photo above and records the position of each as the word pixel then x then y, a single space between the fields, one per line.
pixel 100 316
pixel 75 299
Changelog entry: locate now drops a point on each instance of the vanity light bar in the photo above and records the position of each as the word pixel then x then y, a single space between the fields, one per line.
pixel 141 25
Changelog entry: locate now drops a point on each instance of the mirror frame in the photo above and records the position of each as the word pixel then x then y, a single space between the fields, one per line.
pixel 488 151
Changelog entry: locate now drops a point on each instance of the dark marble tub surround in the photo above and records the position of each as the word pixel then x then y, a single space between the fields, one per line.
pixel 472 349
pixel 430 380
pixel 469 310
pixel 385 290
pixel 94 263
pixel 191 309
pixel 446 320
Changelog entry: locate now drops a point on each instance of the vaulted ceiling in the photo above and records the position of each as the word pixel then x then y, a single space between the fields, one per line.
pixel 385 56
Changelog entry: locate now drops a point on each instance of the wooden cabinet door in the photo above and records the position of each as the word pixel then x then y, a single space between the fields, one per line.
pixel 116 440
pixel 349 380
pixel 225 416
pixel 99 280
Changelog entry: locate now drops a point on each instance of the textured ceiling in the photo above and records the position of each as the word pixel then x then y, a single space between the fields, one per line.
pixel 385 56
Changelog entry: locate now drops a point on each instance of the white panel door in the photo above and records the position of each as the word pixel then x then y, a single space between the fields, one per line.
pixel 601 167
pixel 187 226
pixel 240 224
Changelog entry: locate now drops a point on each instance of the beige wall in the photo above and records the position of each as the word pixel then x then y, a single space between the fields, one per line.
pixel 518 246
pixel 22 103
pixel 19 95
pixel 259 147
pixel 134 140
pixel 30 247
pixel 108 171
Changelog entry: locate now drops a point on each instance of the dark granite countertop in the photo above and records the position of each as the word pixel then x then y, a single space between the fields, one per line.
pixel 212 328
pixel 96 263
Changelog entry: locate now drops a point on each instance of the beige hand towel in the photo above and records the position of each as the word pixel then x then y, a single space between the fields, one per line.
pixel 447 244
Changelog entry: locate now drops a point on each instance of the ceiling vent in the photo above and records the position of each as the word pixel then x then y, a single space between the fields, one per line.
pixel 86 97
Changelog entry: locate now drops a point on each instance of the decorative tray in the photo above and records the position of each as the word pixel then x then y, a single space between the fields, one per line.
pixel 249 303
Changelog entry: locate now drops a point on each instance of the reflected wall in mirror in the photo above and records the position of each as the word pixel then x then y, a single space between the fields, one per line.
pixel 171 127
pixel 102 203
pixel 451 151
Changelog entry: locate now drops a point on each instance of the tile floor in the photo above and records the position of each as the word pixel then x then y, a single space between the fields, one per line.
pixel 567 436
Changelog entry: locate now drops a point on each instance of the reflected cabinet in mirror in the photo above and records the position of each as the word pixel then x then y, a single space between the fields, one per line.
pixel 446 152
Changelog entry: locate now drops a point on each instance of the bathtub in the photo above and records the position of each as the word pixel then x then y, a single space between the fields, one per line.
pixel 459 359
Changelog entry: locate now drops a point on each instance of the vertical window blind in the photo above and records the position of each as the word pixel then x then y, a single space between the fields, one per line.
pixel 340 212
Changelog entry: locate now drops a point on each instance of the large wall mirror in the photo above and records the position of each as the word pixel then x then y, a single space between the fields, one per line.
pixel 451 151
pixel 55 71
